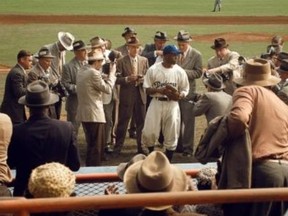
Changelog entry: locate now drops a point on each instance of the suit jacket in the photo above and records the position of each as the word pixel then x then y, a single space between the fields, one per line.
pixel 15 87
pixel 148 52
pixel 213 104
pixel 69 77
pixel 90 87
pixel 38 141
pixel 37 72
pixel 192 64
pixel 236 163
pixel 124 69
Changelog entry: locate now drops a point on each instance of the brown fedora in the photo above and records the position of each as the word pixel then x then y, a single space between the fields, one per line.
pixel 219 43
pixel 257 72
pixel 38 95
pixel 97 42
pixel 155 174
pixel 133 41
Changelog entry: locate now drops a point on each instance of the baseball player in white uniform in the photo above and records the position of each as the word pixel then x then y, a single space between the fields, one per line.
pixel 164 112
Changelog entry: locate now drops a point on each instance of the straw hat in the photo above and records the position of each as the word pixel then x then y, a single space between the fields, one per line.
pixel 95 55
pixel 51 180
pixel 257 72
pixel 155 174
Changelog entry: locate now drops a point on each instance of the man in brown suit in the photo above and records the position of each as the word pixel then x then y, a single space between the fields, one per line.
pixel 131 69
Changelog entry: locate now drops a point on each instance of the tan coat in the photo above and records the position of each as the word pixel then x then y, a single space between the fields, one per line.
pixel 90 87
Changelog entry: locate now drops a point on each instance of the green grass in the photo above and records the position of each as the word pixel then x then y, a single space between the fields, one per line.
pixel 147 7
pixel 32 37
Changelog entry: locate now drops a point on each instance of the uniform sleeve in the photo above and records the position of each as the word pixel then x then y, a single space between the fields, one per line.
pixel 183 84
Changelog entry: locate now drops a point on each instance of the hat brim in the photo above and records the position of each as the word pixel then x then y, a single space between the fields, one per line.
pixel 269 82
pixel 60 34
pixel 179 182
pixel 134 45
pixel 163 39
pixel 214 47
pixel 46 56
pixel 206 82
pixel 125 33
pixel 53 99
pixel 180 40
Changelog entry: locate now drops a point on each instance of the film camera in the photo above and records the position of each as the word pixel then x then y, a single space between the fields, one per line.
pixel 60 89
pixel 113 56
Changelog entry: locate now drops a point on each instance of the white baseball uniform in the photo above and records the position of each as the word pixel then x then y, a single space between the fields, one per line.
pixel 162 112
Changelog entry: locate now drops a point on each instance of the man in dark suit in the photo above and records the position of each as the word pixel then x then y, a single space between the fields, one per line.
pixel 152 51
pixel 40 139
pixel 131 69
pixel 15 87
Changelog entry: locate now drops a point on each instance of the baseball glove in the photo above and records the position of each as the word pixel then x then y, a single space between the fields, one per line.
pixel 172 93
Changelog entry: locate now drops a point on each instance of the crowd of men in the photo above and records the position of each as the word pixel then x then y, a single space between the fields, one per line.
pixel 151 93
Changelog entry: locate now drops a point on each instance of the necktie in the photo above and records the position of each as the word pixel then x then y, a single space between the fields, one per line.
pixel 134 67
pixel 181 58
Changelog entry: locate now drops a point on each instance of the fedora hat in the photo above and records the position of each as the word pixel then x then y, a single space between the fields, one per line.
pixel 95 55
pixel 154 174
pixel 79 45
pixel 44 52
pixel 66 39
pixel 129 30
pixel 283 66
pixel 38 95
pixel 219 43
pixel 133 41
pixel 122 167
pixel 183 36
pixel 97 41
pixel 51 180
pixel 161 36
pixel 214 81
pixel 257 72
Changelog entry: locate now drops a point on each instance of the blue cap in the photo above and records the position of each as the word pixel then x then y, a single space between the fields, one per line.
pixel 171 49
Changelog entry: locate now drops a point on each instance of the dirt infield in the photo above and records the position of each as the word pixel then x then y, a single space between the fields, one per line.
pixel 143 20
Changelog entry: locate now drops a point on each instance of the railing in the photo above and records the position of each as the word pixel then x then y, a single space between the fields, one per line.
pixel 22 207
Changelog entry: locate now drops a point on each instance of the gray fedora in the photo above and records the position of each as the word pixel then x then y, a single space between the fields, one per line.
pixel 38 95
pixel 44 52
pixel 214 81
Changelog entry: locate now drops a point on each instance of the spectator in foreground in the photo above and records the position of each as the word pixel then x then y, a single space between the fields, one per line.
pixel 51 180
pixel 40 139
pixel 5 137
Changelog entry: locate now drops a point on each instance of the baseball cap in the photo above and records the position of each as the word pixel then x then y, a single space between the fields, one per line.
pixel 171 49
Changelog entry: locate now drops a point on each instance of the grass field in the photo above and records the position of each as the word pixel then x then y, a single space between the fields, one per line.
pixel 146 7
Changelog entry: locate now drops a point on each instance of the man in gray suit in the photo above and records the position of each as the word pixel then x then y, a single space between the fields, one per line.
pixel 191 61
pixel 215 102
pixel 131 69
pixel 90 87
pixel 15 87
pixel 69 75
